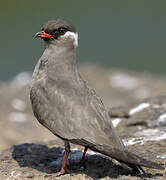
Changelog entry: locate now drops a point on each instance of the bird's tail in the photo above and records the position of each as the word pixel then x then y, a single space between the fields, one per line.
pixel 128 158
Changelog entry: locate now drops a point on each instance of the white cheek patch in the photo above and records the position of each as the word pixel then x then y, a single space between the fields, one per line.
pixel 72 35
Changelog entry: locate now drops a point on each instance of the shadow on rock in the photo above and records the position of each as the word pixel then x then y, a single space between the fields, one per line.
pixel 49 160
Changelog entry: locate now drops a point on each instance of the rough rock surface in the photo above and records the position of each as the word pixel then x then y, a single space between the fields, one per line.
pixel 137 107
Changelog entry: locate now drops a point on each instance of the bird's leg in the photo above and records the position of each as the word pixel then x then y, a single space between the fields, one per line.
pixel 63 168
pixel 83 155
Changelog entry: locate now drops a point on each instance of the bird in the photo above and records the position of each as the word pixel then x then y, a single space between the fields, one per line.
pixel 64 102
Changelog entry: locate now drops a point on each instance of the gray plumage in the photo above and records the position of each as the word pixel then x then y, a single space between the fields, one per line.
pixel 64 103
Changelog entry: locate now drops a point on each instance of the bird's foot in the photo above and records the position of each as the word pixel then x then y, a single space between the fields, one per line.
pixel 62 172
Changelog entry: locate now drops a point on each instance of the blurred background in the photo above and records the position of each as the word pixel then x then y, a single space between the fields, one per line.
pixel 127 34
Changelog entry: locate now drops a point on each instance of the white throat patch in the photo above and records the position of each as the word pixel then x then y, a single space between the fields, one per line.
pixel 73 35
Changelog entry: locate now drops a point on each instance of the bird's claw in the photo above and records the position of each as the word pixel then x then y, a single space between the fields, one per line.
pixel 62 172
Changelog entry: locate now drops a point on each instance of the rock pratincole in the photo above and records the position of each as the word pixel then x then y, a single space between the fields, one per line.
pixel 65 104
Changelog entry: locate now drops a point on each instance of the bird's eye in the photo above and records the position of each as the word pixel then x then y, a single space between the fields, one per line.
pixel 62 30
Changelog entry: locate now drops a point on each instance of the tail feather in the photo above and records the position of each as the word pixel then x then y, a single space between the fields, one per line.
pixel 127 157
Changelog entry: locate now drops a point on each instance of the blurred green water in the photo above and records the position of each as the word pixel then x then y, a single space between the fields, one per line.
pixel 115 33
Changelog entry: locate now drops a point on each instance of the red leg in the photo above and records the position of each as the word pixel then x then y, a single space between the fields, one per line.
pixel 84 153
pixel 63 168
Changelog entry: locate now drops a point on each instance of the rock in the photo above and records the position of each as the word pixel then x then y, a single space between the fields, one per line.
pixel 146 117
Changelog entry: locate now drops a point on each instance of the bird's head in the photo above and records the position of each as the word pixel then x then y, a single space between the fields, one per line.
pixel 58 32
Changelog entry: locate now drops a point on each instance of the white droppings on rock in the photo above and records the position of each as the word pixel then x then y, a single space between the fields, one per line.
pixel 132 141
pixel 18 104
pixel 161 156
pixel 157 137
pixel 151 135
pixel 122 80
pixel 14 174
pixel 146 136
pixel 140 107
pixel 18 117
pixel 162 118
pixel 116 121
